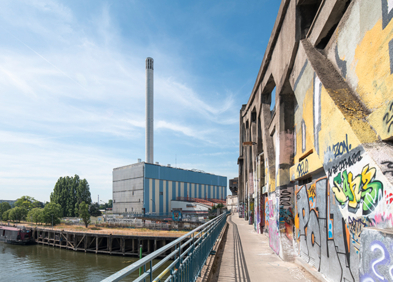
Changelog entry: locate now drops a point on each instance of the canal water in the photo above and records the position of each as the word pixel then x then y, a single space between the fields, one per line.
pixel 45 263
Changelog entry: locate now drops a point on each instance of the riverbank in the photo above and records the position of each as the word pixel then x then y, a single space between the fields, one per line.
pixel 104 230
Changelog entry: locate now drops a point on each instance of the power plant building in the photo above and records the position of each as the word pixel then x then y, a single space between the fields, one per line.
pixel 152 187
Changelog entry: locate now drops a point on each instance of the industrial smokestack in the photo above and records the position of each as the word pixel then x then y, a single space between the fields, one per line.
pixel 149 110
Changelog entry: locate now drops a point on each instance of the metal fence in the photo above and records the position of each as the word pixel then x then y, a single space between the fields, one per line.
pixel 189 254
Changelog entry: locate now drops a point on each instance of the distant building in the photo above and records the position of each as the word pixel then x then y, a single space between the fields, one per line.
pixel 152 187
pixel 233 184
pixel 11 202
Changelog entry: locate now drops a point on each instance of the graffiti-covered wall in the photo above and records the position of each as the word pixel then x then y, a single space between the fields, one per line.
pixel 322 236
pixel 376 255
pixel 325 138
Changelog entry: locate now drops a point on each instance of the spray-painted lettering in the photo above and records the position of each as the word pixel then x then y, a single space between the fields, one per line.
pixel 388 117
pixel 362 189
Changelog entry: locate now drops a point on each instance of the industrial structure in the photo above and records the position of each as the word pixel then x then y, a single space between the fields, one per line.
pixel 233 185
pixel 148 188
pixel 316 166
pixel 149 110
pixel 151 188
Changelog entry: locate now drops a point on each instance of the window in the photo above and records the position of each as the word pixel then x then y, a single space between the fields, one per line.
pixel 126 209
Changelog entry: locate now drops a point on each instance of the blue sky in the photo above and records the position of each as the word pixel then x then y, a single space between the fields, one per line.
pixel 72 86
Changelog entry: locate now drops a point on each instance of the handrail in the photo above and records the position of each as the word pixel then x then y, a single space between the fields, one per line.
pixel 198 244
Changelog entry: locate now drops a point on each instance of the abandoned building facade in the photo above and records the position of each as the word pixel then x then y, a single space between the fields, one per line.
pixel 315 153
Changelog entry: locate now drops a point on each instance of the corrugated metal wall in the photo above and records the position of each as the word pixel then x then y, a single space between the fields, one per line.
pixel 128 189
pixel 153 187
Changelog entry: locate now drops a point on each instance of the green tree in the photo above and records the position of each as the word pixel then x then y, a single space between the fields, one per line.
pixel 94 210
pixel 51 211
pixel 4 206
pixel 84 213
pixel 69 192
pixel 110 204
pixel 82 193
pixel 35 215
pixel 27 203
pixel 5 215
pixel 17 214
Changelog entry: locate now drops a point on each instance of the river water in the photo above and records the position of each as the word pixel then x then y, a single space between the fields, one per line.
pixel 44 263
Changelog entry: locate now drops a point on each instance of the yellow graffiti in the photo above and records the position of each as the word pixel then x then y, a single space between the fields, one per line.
pixel 361 188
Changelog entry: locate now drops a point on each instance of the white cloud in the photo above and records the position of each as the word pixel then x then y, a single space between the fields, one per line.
pixel 70 94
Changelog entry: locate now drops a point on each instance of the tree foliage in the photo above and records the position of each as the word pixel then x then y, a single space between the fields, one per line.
pixel 35 215
pixel 28 203
pixel 94 210
pixel 17 214
pixel 6 215
pixel 4 206
pixel 84 213
pixel 51 211
pixel 69 192
pixel 107 205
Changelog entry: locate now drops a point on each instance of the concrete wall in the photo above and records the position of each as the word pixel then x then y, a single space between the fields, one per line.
pixel 376 255
pixel 326 147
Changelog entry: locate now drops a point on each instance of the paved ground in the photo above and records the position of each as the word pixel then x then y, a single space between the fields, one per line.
pixel 248 257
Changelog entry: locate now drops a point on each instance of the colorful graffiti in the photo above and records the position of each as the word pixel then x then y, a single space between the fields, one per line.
pixel 285 194
pixel 377 256
pixel 274 237
pixel 322 234
pixel 360 190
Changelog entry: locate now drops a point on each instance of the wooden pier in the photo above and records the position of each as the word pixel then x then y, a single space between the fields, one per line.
pixel 101 243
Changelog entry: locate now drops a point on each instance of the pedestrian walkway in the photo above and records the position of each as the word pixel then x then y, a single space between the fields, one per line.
pixel 248 257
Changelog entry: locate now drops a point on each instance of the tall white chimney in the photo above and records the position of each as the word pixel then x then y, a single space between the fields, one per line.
pixel 149 110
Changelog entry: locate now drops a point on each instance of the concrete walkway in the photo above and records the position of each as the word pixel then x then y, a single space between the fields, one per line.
pixel 248 257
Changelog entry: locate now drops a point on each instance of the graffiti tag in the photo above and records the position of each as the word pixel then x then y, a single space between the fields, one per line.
pixel 341 148
pixel 388 117
pixel 389 165
pixel 302 168
pixel 323 235
pixel 345 163
pixel 360 189
pixel 380 267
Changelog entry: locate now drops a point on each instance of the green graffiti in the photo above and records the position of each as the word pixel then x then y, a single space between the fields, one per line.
pixel 360 189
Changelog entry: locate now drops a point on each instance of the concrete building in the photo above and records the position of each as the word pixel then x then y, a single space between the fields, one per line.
pixel 152 187
pixel 233 184
pixel 316 165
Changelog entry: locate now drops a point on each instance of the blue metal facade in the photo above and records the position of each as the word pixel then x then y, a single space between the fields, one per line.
pixel 163 184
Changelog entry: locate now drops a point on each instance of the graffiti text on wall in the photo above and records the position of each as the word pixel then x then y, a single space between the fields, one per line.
pixel 323 236
pixel 274 237
pixel 302 168
pixel 361 189
pixel 389 167
pixel 340 148
pixel 377 256
pixel 345 162
pixel 388 118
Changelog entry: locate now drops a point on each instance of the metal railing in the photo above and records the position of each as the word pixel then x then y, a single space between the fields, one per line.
pixel 188 254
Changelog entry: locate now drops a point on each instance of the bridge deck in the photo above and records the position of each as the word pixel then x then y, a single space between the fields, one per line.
pixel 248 257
